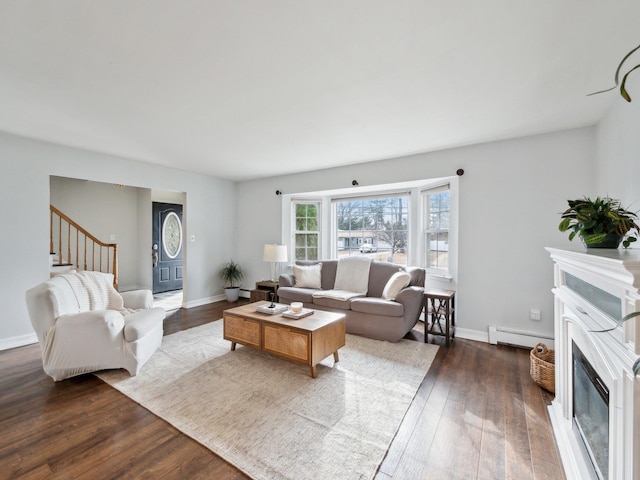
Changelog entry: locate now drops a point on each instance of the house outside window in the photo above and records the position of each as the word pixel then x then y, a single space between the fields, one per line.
pixel 436 229
pixel 307 231
pixel 375 227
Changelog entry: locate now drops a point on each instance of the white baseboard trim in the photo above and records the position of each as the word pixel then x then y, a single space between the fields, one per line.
pixel 212 299
pixel 204 301
pixel 472 335
pixel 19 341
pixel 521 338
pixel 506 336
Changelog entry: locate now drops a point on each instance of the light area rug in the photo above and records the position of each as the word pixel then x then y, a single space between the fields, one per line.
pixel 267 416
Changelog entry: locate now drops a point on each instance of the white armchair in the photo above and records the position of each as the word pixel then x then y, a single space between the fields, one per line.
pixel 83 325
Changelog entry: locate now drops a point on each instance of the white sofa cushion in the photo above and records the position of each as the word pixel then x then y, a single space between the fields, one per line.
pixel 138 324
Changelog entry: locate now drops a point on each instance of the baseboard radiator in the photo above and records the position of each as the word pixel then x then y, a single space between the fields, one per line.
pixel 519 338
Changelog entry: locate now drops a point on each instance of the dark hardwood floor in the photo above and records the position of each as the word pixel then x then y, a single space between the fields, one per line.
pixel 477 414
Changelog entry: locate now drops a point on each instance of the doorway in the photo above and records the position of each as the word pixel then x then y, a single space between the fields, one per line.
pixel 167 246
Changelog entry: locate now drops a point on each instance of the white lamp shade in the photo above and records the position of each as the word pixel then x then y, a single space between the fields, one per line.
pixel 274 253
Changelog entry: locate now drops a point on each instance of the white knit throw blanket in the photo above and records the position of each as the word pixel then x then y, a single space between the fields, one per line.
pixel 343 295
pixel 352 274
pixel 94 291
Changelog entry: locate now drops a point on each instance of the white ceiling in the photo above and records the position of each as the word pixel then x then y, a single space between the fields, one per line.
pixel 241 89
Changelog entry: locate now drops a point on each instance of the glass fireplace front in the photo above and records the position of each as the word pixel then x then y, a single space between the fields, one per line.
pixel 591 412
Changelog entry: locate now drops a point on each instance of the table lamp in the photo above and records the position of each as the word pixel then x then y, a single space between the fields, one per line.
pixel 274 254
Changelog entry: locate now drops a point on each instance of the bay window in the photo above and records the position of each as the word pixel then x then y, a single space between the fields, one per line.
pixel 409 223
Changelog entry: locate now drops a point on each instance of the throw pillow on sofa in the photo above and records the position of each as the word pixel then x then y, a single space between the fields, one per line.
pixel 307 276
pixel 397 282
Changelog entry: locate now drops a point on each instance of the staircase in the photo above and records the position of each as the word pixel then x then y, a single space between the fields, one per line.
pixel 73 247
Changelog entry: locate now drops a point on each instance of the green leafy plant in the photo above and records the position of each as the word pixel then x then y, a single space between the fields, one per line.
pixel 231 273
pixel 594 220
pixel 623 89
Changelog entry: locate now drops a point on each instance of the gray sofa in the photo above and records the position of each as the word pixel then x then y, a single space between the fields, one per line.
pixel 367 315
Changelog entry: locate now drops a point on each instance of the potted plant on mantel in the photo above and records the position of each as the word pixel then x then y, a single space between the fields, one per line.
pixel 231 273
pixel 600 223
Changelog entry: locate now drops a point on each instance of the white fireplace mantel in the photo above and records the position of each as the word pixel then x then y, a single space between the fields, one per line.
pixel 592 289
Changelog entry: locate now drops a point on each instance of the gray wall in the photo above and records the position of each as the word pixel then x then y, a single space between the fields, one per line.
pixel 24 196
pixel 618 137
pixel 510 198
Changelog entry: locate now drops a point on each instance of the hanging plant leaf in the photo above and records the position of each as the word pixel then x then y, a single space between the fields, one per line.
pixel 619 322
pixel 623 90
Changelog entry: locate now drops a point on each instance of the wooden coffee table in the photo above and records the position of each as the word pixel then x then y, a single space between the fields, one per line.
pixel 308 340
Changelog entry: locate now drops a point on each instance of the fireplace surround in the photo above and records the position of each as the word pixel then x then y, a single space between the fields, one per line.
pixel 600 437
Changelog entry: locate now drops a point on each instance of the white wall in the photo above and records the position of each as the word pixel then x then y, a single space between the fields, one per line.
pixel 510 198
pixel 618 137
pixel 24 196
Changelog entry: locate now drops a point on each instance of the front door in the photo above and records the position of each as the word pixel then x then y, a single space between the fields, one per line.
pixel 166 250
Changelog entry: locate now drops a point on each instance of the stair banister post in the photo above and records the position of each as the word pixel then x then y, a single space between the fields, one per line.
pixel 115 266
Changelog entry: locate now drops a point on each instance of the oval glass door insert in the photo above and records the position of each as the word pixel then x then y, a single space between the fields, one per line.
pixel 172 235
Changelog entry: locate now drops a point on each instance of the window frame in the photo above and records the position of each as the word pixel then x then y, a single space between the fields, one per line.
pixel 295 231
pixel 426 230
pixel 335 200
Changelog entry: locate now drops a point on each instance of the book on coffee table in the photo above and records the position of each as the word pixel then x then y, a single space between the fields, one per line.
pixel 273 310
pixel 296 315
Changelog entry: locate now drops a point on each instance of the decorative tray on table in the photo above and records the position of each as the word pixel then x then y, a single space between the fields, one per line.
pixel 272 309
pixel 297 315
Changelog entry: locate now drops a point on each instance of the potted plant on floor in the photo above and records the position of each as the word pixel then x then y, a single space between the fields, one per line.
pixel 600 223
pixel 231 273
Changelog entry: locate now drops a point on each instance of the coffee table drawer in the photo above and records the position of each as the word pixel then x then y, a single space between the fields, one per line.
pixel 288 343
pixel 241 330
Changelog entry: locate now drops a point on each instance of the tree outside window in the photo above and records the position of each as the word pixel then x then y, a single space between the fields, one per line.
pixel 437 208
pixel 376 227
pixel 307 233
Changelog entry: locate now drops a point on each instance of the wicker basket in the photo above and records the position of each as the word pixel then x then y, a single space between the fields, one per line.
pixel 543 367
